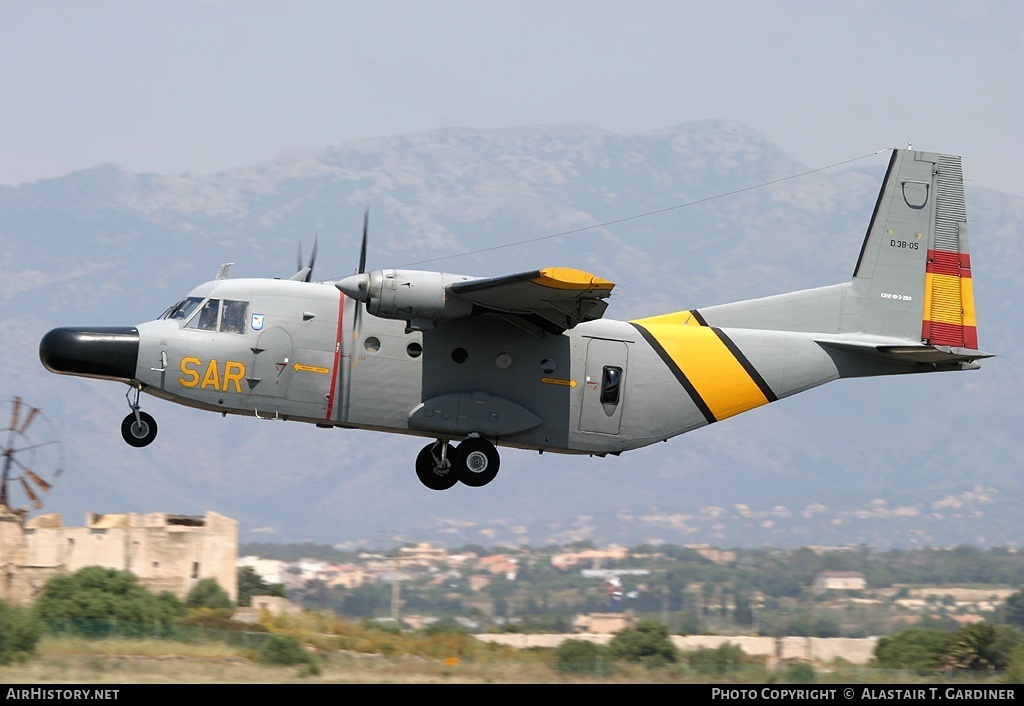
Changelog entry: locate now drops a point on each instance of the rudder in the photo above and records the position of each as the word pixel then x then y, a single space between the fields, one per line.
pixel 913 276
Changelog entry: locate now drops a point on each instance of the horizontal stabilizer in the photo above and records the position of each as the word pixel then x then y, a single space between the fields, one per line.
pixel 907 352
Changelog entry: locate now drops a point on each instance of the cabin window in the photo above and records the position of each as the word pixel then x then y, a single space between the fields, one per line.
pixel 611 384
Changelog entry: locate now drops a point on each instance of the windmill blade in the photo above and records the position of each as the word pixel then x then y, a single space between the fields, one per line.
pixel 15 412
pixel 31 496
pixel 28 420
pixel 42 484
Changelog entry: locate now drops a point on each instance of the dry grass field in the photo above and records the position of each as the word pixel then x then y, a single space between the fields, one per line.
pixel 127 661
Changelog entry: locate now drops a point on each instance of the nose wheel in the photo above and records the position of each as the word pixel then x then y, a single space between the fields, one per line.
pixel 138 431
pixel 474 462
pixel 138 428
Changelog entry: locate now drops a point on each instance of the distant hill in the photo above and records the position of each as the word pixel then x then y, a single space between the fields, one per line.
pixel 930 460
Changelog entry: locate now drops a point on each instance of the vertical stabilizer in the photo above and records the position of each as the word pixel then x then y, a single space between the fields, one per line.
pixel 913 276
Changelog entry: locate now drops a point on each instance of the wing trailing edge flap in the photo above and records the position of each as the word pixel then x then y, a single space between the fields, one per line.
pixel 908 352
pixel 549 300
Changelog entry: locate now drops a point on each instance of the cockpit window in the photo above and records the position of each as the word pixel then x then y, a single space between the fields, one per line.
pixel 232 318
pixel 226 316
pixel 206 320
pixel 183 309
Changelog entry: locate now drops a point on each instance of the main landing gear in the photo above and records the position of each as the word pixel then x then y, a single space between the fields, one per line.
pixel 474 462
pixel 138 428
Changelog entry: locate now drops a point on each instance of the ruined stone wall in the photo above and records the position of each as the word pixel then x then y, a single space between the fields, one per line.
pixel 167 552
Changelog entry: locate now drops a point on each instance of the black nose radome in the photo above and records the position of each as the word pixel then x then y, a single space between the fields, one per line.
pixel 107 353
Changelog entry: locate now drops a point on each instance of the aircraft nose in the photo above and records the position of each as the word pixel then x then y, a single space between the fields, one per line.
pixel 108 353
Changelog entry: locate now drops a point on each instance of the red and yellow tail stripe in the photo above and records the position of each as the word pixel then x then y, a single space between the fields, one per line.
pixel 949 318
pixel 711 368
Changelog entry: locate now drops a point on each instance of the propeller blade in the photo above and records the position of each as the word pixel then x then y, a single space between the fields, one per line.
pixel 362 250
pixel 37 480
pixel 312 259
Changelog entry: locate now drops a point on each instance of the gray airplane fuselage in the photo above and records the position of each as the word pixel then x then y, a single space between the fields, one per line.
pixel 526 360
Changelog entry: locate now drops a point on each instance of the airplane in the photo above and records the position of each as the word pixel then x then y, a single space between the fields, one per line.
pixel 527 360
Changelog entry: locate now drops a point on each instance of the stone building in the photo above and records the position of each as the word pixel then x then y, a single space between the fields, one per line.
pixel 167 552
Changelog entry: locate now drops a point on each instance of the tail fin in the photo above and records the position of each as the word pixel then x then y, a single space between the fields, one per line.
pixel 913 276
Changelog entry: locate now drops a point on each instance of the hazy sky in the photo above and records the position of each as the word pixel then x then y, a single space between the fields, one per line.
pixel 197 86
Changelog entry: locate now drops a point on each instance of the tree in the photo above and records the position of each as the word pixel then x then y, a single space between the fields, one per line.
pixel 981 647
pixel 20 630
pixel 252 584
pixel 1013 610
pixel 720 660
pixel 581 657
pixel 647 642
pixel 207 593
pixel 913 648
pixel 101 600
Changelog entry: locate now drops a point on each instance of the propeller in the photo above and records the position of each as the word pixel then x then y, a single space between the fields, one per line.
pixel 355 287
pixel 305 273
pixel 362 250
pixel 357 325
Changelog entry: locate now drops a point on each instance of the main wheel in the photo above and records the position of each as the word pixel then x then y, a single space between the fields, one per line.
pixel 432 472
pixel 139 432
pixel 476 461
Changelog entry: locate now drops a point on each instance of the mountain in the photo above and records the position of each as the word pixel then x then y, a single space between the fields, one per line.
pixel 887 462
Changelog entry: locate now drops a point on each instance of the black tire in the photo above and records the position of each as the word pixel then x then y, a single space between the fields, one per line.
pixel 139 433
pixel 431 473
pixel 476 462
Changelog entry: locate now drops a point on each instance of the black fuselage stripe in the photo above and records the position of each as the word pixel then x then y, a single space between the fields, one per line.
pixel 680 376
pixel 699 317
pixel 762 385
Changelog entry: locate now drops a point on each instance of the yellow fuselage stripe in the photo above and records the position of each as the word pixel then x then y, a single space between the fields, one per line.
pixel 722 382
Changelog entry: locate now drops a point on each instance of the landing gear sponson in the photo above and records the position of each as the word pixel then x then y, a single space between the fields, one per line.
pixel 474 462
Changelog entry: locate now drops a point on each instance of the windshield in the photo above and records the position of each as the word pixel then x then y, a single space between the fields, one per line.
pixel 183 309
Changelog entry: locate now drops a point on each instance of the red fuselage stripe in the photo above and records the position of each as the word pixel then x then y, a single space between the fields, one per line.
pixel 337 355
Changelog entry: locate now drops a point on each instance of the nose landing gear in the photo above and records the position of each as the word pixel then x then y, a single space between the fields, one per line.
pixel 138 428
pixel 474 462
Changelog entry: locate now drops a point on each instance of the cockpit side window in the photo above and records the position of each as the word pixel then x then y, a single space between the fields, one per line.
pixel 232 318
pixel 206 320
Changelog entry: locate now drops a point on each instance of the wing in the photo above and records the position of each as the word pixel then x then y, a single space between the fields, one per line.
pixel 550 300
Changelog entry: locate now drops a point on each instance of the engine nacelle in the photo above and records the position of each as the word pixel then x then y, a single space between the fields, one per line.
pixel 413 296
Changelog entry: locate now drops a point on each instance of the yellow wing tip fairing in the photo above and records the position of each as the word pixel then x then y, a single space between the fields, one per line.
pixel 571 278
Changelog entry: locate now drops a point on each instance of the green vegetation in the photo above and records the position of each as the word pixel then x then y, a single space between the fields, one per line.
pixel 207 593
pixel 20 630
pixel 98 601
pixel 648 642
pixel 582 657
pixel 252 584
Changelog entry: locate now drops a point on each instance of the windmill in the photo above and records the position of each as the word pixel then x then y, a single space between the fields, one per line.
pixel 33 457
